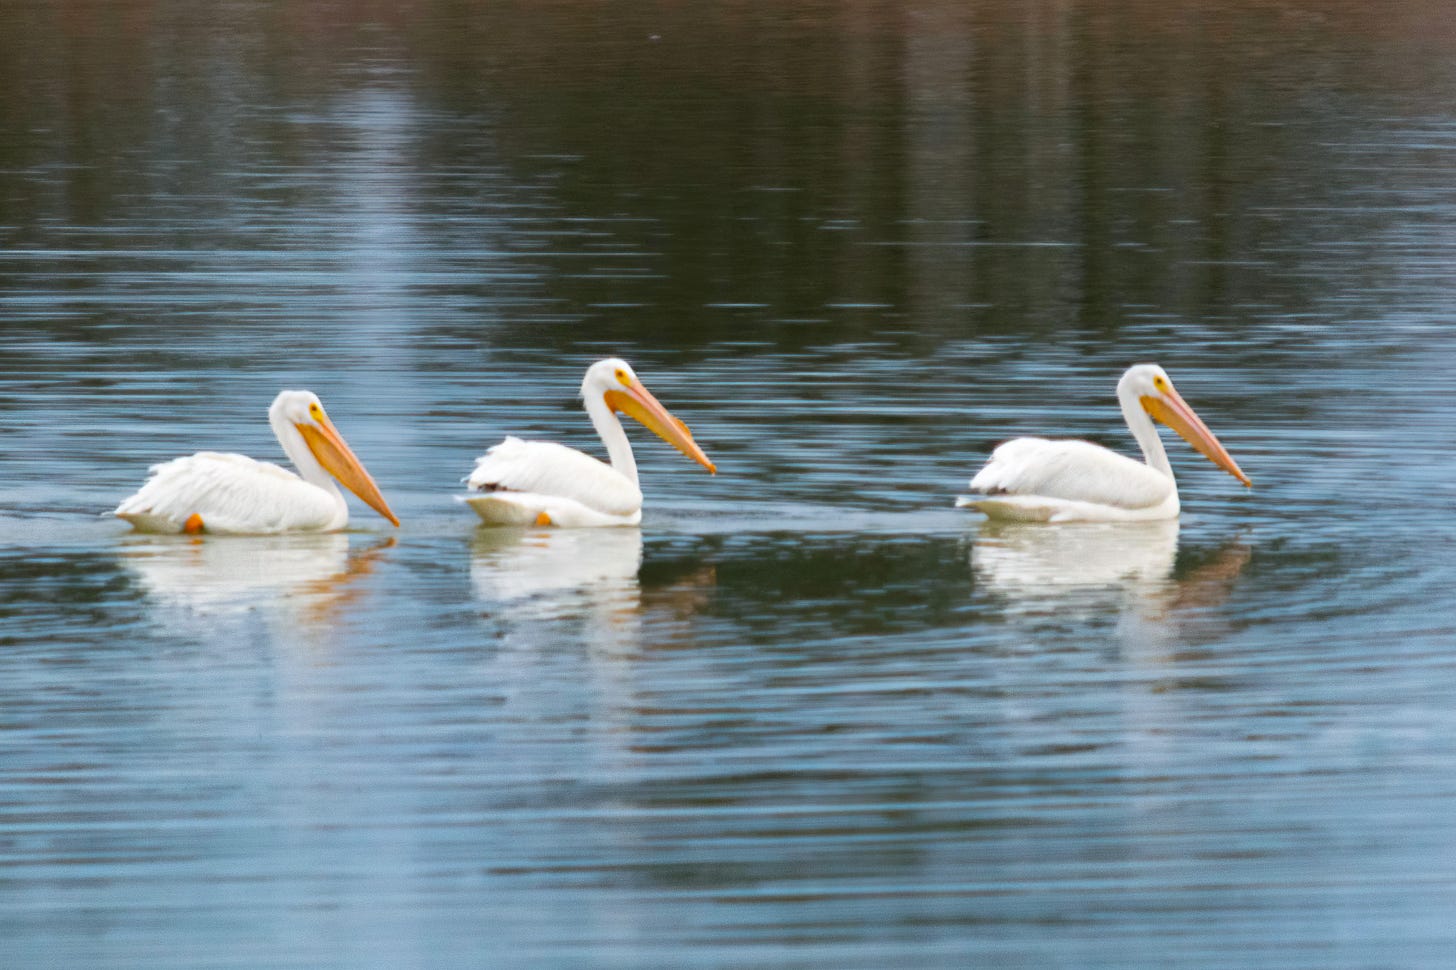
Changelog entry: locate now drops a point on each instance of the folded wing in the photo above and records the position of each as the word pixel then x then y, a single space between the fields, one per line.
pixel 549 469
pixel 231 493
pixel 1072 471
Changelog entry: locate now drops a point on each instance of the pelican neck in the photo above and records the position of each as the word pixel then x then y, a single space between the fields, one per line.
pixel 610 430
pixel 1140 423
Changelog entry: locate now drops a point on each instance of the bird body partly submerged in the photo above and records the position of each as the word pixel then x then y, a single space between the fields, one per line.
pixel 231 494
pixel 542 483
pixel 228 493
pixel 519 481
pixel 1044 480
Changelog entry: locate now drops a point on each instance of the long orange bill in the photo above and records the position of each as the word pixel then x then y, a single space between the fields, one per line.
pixel 1173 411
pixel 638 403
pixel 328 447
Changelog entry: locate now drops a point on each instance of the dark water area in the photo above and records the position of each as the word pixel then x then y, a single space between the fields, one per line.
pixel 808 714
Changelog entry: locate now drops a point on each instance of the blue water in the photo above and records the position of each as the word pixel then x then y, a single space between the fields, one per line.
pixel 809 714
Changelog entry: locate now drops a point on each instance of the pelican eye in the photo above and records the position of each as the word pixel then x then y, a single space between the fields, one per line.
pixel 1160 382
pixel 314 411
pixel 624 378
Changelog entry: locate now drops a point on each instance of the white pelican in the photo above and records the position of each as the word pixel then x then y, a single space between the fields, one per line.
pixel 542 483
pixel 226 493
pixel 1034 479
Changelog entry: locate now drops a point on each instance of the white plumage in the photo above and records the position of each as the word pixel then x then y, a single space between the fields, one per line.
pixel 524 479
pixel 1036 479
pixel 543 483
pixel 228 493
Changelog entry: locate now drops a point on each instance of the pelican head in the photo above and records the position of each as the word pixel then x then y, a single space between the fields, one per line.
pixel 1151 387
pixel 303 412
pixel 614 382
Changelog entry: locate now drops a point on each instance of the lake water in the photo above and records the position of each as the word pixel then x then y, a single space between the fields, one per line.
pixel 809 714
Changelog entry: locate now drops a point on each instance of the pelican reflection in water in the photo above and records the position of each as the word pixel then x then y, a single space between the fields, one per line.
pixel 1017 560
pixel 1089 569
pixel 587 580
pixel 303 579
pixel 552 574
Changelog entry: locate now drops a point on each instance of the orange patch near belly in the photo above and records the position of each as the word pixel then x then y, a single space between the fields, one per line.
pixel 193 525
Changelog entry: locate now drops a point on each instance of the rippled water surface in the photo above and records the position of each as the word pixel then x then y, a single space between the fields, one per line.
pixel 809 714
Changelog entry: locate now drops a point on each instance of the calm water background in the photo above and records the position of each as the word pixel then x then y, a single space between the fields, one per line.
pixel 808 715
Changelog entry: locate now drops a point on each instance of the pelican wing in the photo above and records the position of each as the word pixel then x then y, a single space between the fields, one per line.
pixel 1071 471
pixel 546 468
pixel 231 493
